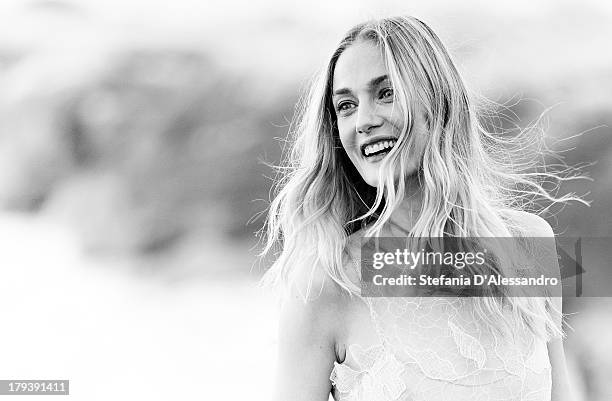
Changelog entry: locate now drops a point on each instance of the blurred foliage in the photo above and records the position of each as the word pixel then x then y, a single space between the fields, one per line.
pixel 161 144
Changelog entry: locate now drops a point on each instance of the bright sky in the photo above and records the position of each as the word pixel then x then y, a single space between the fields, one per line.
pixel 267 34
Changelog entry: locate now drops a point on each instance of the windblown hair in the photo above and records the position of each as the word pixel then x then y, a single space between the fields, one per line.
pixel 472 179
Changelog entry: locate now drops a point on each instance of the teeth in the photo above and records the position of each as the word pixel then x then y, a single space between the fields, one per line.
pixel 378 147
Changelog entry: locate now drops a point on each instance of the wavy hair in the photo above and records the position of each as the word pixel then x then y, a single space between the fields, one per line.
pixel 472 179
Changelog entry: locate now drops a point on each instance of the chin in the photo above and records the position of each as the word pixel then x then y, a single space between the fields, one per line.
pixel 372 183
pixel 371 178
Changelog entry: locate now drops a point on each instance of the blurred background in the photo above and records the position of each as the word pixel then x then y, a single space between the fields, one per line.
pixel 134 137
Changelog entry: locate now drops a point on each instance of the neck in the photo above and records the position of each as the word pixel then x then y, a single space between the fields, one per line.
pixel 403 218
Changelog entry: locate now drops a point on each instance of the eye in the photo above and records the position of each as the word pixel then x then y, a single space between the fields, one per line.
pixel 344 107
pixel 386 94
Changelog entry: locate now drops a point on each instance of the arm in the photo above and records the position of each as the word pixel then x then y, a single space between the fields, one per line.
pixel 306 351
pixel 561 389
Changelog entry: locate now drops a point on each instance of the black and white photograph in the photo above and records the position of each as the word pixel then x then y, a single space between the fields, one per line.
pixel 306 201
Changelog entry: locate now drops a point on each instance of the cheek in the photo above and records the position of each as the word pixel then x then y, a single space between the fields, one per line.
pixel 395 120
pixel 346 139
pixel 421 132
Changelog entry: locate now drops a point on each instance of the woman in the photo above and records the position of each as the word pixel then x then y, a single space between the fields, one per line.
pixel 389 143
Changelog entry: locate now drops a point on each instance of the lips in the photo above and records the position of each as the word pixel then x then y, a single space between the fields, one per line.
pixel 377 147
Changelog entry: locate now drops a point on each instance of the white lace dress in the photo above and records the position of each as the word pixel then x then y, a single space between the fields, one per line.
pixel 434 349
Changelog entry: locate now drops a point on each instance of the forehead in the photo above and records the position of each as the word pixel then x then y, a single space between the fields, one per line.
pixel 357 65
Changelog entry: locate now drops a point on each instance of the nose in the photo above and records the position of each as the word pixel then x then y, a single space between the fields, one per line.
pixel 367 118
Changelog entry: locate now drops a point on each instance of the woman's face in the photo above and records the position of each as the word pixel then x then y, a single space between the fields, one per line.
pixel 368 121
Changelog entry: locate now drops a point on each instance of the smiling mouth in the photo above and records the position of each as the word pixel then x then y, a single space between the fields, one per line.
pixel 377 149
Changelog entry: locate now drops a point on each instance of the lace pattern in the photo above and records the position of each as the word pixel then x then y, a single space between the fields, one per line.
pixel 435 349
pixel 378 376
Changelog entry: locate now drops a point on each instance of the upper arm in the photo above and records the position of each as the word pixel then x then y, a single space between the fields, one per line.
pixel 546 250
pixel 539 228
pixel 306 350
pixel 561 389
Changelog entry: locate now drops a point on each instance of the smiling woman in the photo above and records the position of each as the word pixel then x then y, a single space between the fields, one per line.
pixel 390 139
pixel 364 103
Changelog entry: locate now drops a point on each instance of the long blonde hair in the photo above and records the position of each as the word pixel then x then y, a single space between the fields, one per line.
pixel 470 178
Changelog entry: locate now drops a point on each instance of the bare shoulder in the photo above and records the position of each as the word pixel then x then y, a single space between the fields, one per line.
pixel 314 304
pixel 535 225
pixel 309 327
pixel 542 239
pixel 314 285
pixel 307 335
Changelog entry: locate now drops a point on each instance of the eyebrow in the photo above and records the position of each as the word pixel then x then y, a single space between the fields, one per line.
pixel 374 82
